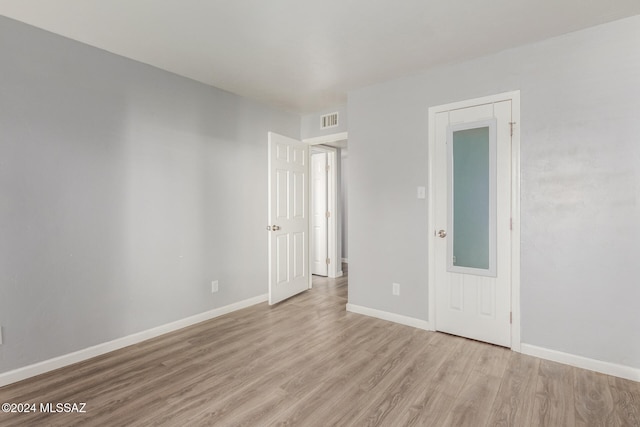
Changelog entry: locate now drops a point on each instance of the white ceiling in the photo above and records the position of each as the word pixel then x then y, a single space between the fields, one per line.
pixel 302 55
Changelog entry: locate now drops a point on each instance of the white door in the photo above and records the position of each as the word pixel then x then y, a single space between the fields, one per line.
pixel 288 217
pixel 319 220
pixel 472 210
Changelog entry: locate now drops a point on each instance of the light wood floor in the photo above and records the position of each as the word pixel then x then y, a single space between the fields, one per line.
pixel 307 362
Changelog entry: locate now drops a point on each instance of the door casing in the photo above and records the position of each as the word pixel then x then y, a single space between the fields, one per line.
pixel 319 226
pixel 514 97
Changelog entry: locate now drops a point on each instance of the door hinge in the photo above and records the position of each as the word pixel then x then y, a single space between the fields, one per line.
pixel 328 261
pixel 510 223
pixel 510 317
pixel 511 126
pixel 328 214
pixel 327 167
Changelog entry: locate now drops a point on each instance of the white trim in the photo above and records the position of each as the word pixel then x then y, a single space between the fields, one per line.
pixel 607 368
pixel 515 222
pixel 514 96
pixel 97 350
pixel 327 139
pixel 345 260
pixel 391 317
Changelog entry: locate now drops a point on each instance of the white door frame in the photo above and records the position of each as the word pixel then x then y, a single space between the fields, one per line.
pixel 317 265
pixel 514 96
pixel 335 265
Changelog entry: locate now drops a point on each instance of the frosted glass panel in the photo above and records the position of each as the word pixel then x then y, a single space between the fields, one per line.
pixel 471 198
pixel 471 195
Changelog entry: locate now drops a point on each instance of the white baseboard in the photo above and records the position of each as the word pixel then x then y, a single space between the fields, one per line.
pixel 608 368
pixel 97 350
pixel 391 317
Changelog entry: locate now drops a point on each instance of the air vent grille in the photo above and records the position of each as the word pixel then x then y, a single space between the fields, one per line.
pixel 329 121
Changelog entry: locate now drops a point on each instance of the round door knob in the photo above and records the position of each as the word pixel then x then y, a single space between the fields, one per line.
pixel 442 234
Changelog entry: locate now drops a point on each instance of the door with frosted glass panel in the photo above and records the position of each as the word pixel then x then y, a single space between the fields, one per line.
pixel 472 194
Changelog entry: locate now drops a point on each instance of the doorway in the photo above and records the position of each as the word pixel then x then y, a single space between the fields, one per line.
pixel 474 214
pixel 329 147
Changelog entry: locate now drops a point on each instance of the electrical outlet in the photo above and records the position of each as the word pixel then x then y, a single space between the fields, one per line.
pixel 395 288
pixel 214 286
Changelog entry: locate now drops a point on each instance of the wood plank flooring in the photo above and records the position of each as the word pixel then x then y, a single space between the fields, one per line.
pixel 307 362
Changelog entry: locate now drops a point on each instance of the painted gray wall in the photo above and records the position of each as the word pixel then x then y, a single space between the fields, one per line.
pixel 344 202
pixel 310 123
pixel 580 187
pixel 124 191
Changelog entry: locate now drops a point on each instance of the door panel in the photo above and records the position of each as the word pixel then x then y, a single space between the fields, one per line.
pixel 288 218
pixel 281 199
pixel 299 195
pixel 299 255
pixel 282 259
pixel 472 255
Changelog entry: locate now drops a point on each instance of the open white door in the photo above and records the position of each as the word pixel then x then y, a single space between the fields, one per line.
pixel 319 210
pixel 288 217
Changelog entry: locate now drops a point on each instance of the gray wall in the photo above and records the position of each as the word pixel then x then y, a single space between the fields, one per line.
pixel 580 187
pixel 344 202
pixel 310 123
pixel 124 190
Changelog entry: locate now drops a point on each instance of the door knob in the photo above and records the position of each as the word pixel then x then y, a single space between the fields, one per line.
pixel 275 227
pixel 442 234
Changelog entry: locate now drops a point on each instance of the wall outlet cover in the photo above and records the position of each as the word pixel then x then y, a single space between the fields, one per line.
pixel 395 289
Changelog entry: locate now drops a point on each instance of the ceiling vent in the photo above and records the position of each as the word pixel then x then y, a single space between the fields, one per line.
pixel 329 121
